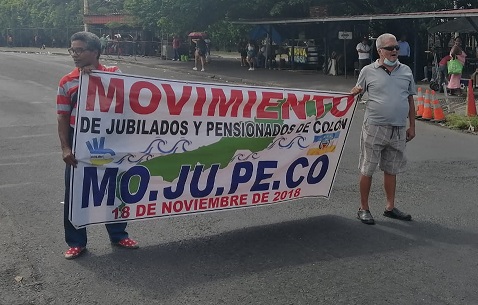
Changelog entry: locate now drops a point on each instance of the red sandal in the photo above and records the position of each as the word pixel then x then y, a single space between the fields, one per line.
pixel 74 252
pixel 128 243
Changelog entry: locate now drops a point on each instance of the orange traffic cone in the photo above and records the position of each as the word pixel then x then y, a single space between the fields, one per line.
pixel 471 103
pixel 427 110
pixel 438 115
pixel 420 103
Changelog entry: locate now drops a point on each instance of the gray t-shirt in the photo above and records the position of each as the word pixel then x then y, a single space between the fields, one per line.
pixel 388 93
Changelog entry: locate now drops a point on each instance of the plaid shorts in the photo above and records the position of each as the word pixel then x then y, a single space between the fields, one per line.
pixel 384 146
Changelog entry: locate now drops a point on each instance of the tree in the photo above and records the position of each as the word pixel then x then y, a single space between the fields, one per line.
pixel 39 13
pixel 147 13
pixel 182 16
pixel 106 6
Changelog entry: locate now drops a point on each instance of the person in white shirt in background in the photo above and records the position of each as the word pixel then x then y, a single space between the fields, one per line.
pixel 363 50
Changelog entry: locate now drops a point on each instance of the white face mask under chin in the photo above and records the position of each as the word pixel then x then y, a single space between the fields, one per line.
pixel 390 63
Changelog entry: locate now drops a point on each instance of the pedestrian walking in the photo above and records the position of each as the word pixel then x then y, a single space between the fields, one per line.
pixel 200 53
pixel 10 41
pixel 104 43
pixel 252 55
pixel 85 51
pixel 390 86
pixel 176 46
pixel 242 49
pixel 456 52
pixel 207 40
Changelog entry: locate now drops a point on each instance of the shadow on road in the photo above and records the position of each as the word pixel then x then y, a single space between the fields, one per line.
pixel 162 270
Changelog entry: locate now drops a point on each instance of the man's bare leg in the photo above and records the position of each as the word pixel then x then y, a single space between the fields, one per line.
pixel 365 184
pixel 389 184
pixel 363 213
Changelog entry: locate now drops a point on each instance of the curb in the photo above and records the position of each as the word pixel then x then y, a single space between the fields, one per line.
pixel 165 65
pixel 230 79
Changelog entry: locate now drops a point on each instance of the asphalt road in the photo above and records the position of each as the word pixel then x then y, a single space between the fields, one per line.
pixel 302 252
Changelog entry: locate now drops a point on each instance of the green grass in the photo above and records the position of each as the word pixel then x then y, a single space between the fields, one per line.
pixel 462 122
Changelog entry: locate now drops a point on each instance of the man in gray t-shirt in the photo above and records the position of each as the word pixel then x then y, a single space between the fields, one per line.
pixel 390 87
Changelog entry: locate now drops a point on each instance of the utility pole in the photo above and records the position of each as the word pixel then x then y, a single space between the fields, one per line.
pixel 85 12
pixel 455 7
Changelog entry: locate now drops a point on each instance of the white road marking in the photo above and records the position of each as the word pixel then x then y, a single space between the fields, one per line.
pixel 4 186
pixel 33 136
pixel 14 163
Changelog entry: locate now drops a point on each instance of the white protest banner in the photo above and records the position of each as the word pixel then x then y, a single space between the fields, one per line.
pixel 151 148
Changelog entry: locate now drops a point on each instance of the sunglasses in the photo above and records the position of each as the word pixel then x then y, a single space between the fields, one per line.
pixel 391 48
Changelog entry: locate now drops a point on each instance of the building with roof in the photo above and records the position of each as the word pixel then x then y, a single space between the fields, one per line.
pixel 325 31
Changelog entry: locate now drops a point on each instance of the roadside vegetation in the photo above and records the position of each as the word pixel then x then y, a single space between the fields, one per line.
pixel 462 122
pixel 179 17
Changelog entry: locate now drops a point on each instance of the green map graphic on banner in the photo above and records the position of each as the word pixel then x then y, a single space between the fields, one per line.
pixel 169 166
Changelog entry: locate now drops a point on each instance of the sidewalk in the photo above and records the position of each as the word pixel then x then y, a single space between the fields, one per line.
pixel 226 67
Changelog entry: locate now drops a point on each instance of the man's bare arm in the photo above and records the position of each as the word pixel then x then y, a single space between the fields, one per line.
pixel 411 118
pixel 64 134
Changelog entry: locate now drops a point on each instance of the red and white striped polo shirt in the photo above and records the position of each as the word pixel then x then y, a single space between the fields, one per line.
pixel 67 95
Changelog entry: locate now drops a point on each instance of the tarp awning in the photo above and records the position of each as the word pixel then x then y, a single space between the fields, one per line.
pixel 260 31
pixel 461 25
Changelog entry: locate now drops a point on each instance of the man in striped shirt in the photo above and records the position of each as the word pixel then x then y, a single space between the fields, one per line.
pixel 85 50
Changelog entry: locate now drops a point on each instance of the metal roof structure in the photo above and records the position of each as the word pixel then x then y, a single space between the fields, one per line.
pixel 462 25
pixel 415 15
pixel 442 19
pixel 104 19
